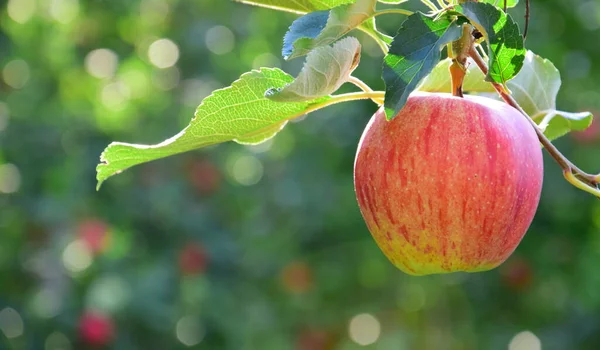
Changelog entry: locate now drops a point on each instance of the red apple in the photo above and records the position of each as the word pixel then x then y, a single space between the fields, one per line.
pixel 517 274
pixel 450 184
pixel 192 259
pixel 314 339
pixel 589 135
pixel 296 277
pixel 96 329
pixel 95 233
pixel 204 176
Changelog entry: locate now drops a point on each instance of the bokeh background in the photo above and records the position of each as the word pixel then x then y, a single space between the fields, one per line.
pixel 236 247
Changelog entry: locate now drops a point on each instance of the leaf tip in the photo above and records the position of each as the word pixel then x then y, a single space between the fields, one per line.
pixel 389 114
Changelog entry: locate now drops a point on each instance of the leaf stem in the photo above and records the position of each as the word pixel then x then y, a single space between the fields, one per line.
pixel 569 176
pixel 430 4
pixel 459 52
pixel 572 173
pixel 353 96
pixel 391 11
pixel 382 44
pixel 364 87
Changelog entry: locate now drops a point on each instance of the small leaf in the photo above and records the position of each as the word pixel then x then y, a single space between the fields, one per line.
pixel 415 51
pixel 505 43
pixel 535 88
pixel 325 27
pixel 297 6
pixel 325 70
pixel 558 123
pixel 439 79
pixel 239 112
pixel 305 27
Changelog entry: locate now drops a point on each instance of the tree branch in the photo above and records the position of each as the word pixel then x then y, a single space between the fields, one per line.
pixel 527 16
pixel 572 173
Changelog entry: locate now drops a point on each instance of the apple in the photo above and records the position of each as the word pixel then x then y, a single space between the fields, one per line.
pixel 204 176
pixel 450 184
pixel 589 135
pixel 517 274
pixel 314 339
pixel 296 277
pixel 193 259
pixel 95 233
pixel 96 329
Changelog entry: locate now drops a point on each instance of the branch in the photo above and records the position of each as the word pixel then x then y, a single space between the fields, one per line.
pixel 572 173
pixel 527 16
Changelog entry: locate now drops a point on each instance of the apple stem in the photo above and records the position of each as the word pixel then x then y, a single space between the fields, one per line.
pixel 457 76
pixel 577 177
pixel 459 52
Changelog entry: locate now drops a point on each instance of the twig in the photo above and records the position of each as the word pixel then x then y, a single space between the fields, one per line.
pixel 527 16
pixel 572 173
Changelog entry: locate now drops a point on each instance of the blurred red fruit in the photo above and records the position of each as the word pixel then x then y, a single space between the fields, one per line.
pixel 297 277
pixel 589 135
pixel 517 274
pixel 204 176
pixel 314 340
pixel 193 259
pixel 95 233
pixel 96 329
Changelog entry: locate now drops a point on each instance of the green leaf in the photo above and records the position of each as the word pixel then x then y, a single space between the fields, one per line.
pixel 324 27
pixel 262 135
pixel 439 79
pixel 505 43
pixel 415 51
pixel 297 6
pixel 535 88
pixel 236 113
pixel 325 70
pixel 498 3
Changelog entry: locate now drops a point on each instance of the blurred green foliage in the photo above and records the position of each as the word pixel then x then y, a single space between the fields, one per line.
pixel 238 247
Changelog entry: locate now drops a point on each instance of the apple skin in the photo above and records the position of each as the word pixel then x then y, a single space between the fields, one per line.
pixel 451 184
pixel 96 329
